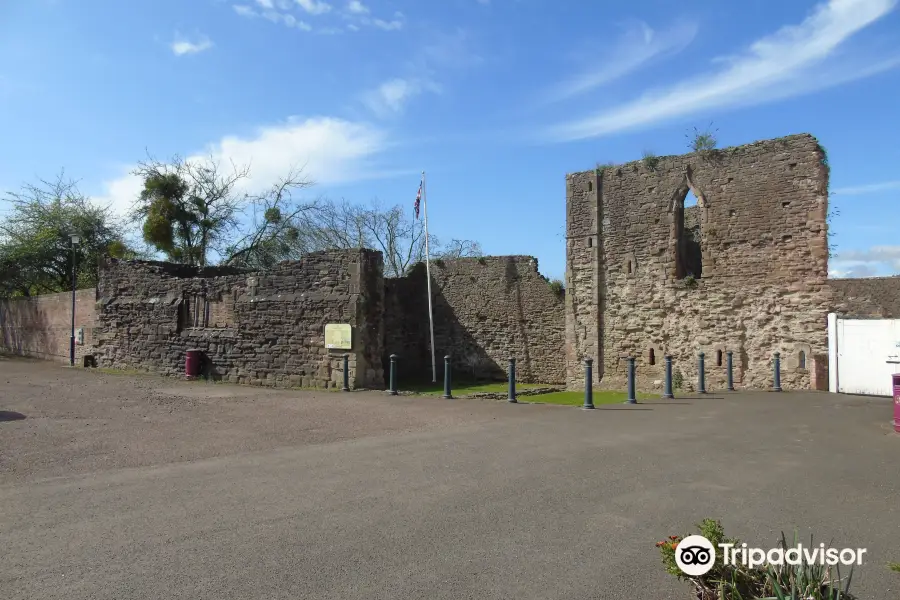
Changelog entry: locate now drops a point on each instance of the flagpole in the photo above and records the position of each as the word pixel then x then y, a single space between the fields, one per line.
pixel 428 276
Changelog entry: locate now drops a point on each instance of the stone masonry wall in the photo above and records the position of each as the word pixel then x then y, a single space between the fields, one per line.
pixel 486 310
pixel 263 328
pixel 868 297
pixel 763 288
pixel 41 326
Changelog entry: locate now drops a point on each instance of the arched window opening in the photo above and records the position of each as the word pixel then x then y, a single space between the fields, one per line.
pixel 688 252
pixel 718 358
pixel 651 357
pixel 802 360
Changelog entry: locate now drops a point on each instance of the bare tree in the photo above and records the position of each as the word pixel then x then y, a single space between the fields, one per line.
pixel 400 238
pixel 460 249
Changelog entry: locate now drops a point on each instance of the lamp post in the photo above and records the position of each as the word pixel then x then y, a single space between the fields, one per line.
pixel 75 240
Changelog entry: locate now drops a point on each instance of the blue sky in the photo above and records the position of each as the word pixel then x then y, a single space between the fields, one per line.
pixel 495 99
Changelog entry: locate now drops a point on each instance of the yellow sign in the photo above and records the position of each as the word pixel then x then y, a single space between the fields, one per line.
pixel 338 336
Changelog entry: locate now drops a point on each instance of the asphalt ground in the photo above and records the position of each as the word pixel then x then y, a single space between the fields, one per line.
pixel 130 486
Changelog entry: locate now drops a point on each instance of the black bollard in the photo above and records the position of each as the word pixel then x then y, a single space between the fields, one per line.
pixel 729 365
pixel 668 390
pixel 447 393
pixel 701 371
pixel 777 386
pixel 632 396
pixel 346 387
pixel 393 374
pixel 588 384
pixel 512 380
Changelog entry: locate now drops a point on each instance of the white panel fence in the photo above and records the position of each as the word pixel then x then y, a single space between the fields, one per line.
pixel 862 355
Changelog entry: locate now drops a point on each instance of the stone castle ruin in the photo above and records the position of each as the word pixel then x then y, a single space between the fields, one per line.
pixel 744 270
pixel 649 273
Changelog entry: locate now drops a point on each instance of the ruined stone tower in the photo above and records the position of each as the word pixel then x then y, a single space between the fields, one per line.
pixel 743 270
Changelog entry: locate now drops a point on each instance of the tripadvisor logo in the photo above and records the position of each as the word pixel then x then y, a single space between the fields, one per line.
pixel 695 555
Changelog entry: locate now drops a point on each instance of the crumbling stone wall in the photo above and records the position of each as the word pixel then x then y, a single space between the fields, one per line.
pixel 632 283
pixel 486 310
pixel 264 328
pixel 41 326
pixel 867 297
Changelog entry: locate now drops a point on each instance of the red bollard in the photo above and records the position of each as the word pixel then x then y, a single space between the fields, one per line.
pixel 192 364
pixel 896 378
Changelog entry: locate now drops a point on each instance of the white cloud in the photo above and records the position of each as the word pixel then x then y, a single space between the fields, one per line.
pixel 314 7
pixel 272 15
pixel 638 45
pixel 355 11
pixel 330 150
pixel 393 25
pixel 877 260
pixel 391 96
pixel 182 46
pixel 774 67
pixel 871 188
pixel 356 7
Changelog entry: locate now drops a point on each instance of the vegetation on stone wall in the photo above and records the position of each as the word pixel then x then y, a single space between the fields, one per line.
pixel 36 250
pixel 651 161
pixel 702 140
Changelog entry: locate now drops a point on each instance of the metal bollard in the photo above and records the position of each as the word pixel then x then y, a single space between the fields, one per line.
pixel 777 386
pixel 668 390
pixel 447 393
pixel 512 381
pixel 632 396
pixel 729 365
pixel 346 387
pixel 588 384
pixel 701 369
pixel 393 375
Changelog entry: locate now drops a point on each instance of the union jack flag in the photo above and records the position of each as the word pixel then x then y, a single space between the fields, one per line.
pixel 418 200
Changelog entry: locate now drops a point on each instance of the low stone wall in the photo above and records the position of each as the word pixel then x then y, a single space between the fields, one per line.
pixel 265 328
pixel 867 297
pixel 486 310
pixel 41 326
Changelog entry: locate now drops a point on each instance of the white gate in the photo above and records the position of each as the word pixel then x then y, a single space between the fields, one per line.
pixel 863 354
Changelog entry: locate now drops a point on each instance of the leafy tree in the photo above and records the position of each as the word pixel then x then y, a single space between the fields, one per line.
pixel 36 251
pixel 193 210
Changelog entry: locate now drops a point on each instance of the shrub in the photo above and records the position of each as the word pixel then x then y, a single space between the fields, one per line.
pixel 738 582
pixel 703 141
pixel 558 287
pixel 651 161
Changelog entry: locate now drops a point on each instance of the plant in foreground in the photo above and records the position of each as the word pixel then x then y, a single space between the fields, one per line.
pixel 802 581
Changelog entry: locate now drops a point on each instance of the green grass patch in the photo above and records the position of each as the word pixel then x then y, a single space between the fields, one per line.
pixel 577 398
pixel 463 388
